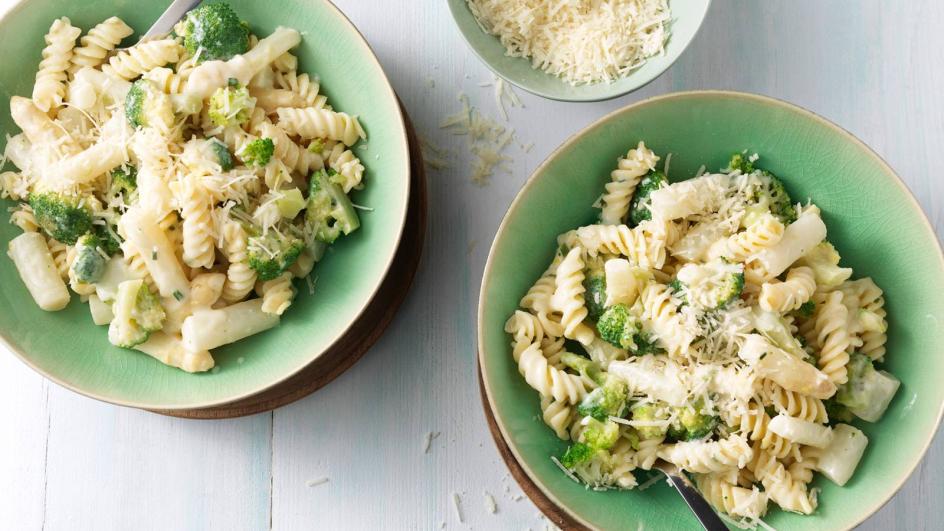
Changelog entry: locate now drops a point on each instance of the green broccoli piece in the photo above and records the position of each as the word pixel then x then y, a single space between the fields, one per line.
pixel 146 102
pixel 824 261
pixel 712 285
pixel 223 156
pixel 107 238
pixel 257 153
pixel 837 412
pixel 595 285
pixel 775 195
pixel 740 163
pixel 771 196
pixel 608 400
pixel 89 263
pixel 329 212
pixel 214 32
pixel 272 252
pixel 650 413
pixel 619 327
pixel 600 435
pixel 806 309
pixel 691 423
pixel 62 217
pixel 868 392
pixel 576 454
pixel 124 180
pixel 645 345
pixel 638 209
pixel 583 366
pixel 230 105
pixel 138 312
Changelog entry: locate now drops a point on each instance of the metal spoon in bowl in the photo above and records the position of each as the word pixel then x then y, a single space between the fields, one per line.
pixel 703 511
pixel 172 15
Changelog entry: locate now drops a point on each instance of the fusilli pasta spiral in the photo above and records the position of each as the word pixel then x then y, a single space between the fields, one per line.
pixel 50 87
pixel 99 41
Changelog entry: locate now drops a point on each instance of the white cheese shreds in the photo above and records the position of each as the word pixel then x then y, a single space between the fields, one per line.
pixel 581 41
pixel 433 156
pixel 318 481
pixel 458 508
pixel 487 140
pixel 490 504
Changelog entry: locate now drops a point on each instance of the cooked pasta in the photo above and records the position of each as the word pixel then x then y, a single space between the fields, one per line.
pixel 161 187
pixel 50 87
pixel 99 41
pixel 714 330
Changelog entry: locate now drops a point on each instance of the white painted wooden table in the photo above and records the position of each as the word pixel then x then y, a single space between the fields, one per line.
pixel 68 462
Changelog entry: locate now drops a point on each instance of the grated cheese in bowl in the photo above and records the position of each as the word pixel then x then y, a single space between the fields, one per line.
pixel 580 41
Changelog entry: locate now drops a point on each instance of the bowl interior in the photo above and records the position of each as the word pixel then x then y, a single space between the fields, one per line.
pixel 687 16
pixel 872 219
pixel 67 347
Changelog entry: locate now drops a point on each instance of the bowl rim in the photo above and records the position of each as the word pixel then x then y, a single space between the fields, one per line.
pixel 402 208
pixel 915 460
pixel 604 95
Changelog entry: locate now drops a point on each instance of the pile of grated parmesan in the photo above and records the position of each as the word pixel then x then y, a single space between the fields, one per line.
pixel 581 41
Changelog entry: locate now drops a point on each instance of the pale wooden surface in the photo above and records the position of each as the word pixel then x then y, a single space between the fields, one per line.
pixel 67 462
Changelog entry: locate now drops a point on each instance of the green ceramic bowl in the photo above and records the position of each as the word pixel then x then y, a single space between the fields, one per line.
pixel 873 220
pixel 687 16
pixel 67 348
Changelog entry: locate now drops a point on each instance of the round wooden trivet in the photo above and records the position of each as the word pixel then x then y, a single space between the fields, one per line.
pixel 363 333
pixel 554 513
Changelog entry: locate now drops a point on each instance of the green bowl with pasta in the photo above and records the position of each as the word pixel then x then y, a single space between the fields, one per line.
pixel 579 51
pixel 198 216
pixel 781 351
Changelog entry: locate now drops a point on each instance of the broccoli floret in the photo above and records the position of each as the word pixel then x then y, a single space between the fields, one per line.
pixel 291 203
pixel 774 328
pixel 638 210
pixel 711 286
pixel 645 345
pixel 230 105
pixel 595 295
pixel 740 163
pixel 257 153
pixel 605 401
pixel 775 195
pixel 771 195
pixel 868 391
pixel 649 413
pixel 576 454
pixel 89 264
pixel 806 309
pixel 691 423
pixel 146 105
pixel 271 253
pixel 214 31
pixel 329 212
pixel 62 217
pixel 124 180
pixel 837 412
pixel 138 312
pixel 600 435
pixel 618 326
pixel 824 260
pixel 107 239
pixel 583 366
pixel 223 156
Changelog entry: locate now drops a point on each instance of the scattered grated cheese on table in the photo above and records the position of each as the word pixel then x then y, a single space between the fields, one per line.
pixel 315 482
pixel 455 505
pixel 490 504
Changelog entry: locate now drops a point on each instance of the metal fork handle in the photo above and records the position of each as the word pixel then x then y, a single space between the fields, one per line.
pixel 696 502
pixel 173 14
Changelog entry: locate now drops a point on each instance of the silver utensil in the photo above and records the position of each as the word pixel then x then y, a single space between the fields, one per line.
pixel 172 15
pixel 703 511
